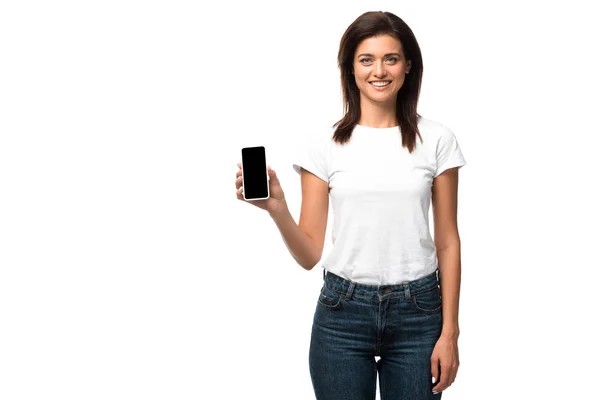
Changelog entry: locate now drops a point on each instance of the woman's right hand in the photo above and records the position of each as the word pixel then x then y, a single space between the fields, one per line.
pixel 276 200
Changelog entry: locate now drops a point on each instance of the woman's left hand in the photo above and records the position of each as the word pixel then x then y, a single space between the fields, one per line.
pixel 444 355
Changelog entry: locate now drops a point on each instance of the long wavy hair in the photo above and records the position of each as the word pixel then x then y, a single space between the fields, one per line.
pixel 369 24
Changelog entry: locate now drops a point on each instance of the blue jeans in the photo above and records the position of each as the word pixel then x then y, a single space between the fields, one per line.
pixel 355 322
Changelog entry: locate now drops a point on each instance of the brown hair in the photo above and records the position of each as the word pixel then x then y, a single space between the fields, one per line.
pixel 369 24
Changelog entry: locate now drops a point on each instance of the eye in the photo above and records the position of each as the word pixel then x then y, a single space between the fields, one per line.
pixel 368 60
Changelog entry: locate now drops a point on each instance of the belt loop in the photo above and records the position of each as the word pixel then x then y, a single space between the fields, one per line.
pixel 406 291
pixel 350 290
pixel 323 273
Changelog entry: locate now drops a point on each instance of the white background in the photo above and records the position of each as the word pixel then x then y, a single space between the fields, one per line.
pixel 130 270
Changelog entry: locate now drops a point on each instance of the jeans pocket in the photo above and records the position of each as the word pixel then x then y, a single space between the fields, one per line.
pixel 329 298
pixel 428 301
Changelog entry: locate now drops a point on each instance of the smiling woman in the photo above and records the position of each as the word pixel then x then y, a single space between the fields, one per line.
pixel 381 69
pixel 385 292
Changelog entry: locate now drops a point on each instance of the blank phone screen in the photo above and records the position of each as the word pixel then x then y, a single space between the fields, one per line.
pixel 254 165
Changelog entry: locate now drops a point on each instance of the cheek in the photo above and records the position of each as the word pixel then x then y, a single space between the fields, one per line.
pixel 359 76
pixel 360 81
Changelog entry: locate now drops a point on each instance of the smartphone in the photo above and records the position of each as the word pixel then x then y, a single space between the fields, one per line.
pixel 255 176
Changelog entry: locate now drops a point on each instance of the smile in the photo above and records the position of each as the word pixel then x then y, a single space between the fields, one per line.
pixel 380 83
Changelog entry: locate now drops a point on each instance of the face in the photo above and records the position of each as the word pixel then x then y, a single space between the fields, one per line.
pixel 379 60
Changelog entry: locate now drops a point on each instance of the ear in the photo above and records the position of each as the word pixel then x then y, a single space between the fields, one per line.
pixel 408 65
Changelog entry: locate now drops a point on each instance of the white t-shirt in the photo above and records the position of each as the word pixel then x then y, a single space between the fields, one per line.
pixel 380 195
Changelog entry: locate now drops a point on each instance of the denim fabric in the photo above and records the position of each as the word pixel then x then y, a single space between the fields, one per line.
pixel 355 322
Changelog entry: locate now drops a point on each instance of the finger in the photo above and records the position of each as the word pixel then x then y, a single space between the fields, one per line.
pixel 239 193
pixel 443 383
pixel 435 371
pixel 453 372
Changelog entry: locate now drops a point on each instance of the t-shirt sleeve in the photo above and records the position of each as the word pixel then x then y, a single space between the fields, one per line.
pixel 313 156
pixel 448 153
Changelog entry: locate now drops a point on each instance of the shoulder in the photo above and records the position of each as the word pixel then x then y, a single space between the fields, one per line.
pixel 436 136
pixel 432 129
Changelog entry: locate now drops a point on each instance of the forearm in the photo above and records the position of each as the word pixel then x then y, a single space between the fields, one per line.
pixel 450 276
pixel 299 244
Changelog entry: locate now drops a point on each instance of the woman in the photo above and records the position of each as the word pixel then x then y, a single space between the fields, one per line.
pixel 389 290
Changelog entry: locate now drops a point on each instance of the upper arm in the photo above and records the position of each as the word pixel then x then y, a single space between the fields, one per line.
pixel 315 206
pixel 444 203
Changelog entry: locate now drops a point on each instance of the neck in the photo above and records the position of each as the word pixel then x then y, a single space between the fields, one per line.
pixel 377 115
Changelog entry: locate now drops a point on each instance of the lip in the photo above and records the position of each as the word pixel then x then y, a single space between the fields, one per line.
pixel 381 89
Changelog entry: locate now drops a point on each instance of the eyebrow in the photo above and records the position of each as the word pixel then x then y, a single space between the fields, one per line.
pixel 388 54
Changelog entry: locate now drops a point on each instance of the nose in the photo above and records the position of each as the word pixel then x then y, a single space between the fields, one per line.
pixel 379 70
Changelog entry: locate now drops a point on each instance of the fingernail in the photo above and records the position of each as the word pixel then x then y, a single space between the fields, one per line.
pixel 435 392
pixel 433 379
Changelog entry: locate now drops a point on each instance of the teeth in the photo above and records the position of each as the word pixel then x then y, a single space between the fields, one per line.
pixel 380 83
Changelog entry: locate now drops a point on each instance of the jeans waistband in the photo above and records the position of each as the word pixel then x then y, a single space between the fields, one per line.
pixel 405 289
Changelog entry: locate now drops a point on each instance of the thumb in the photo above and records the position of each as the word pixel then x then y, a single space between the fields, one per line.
pixel 272 173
